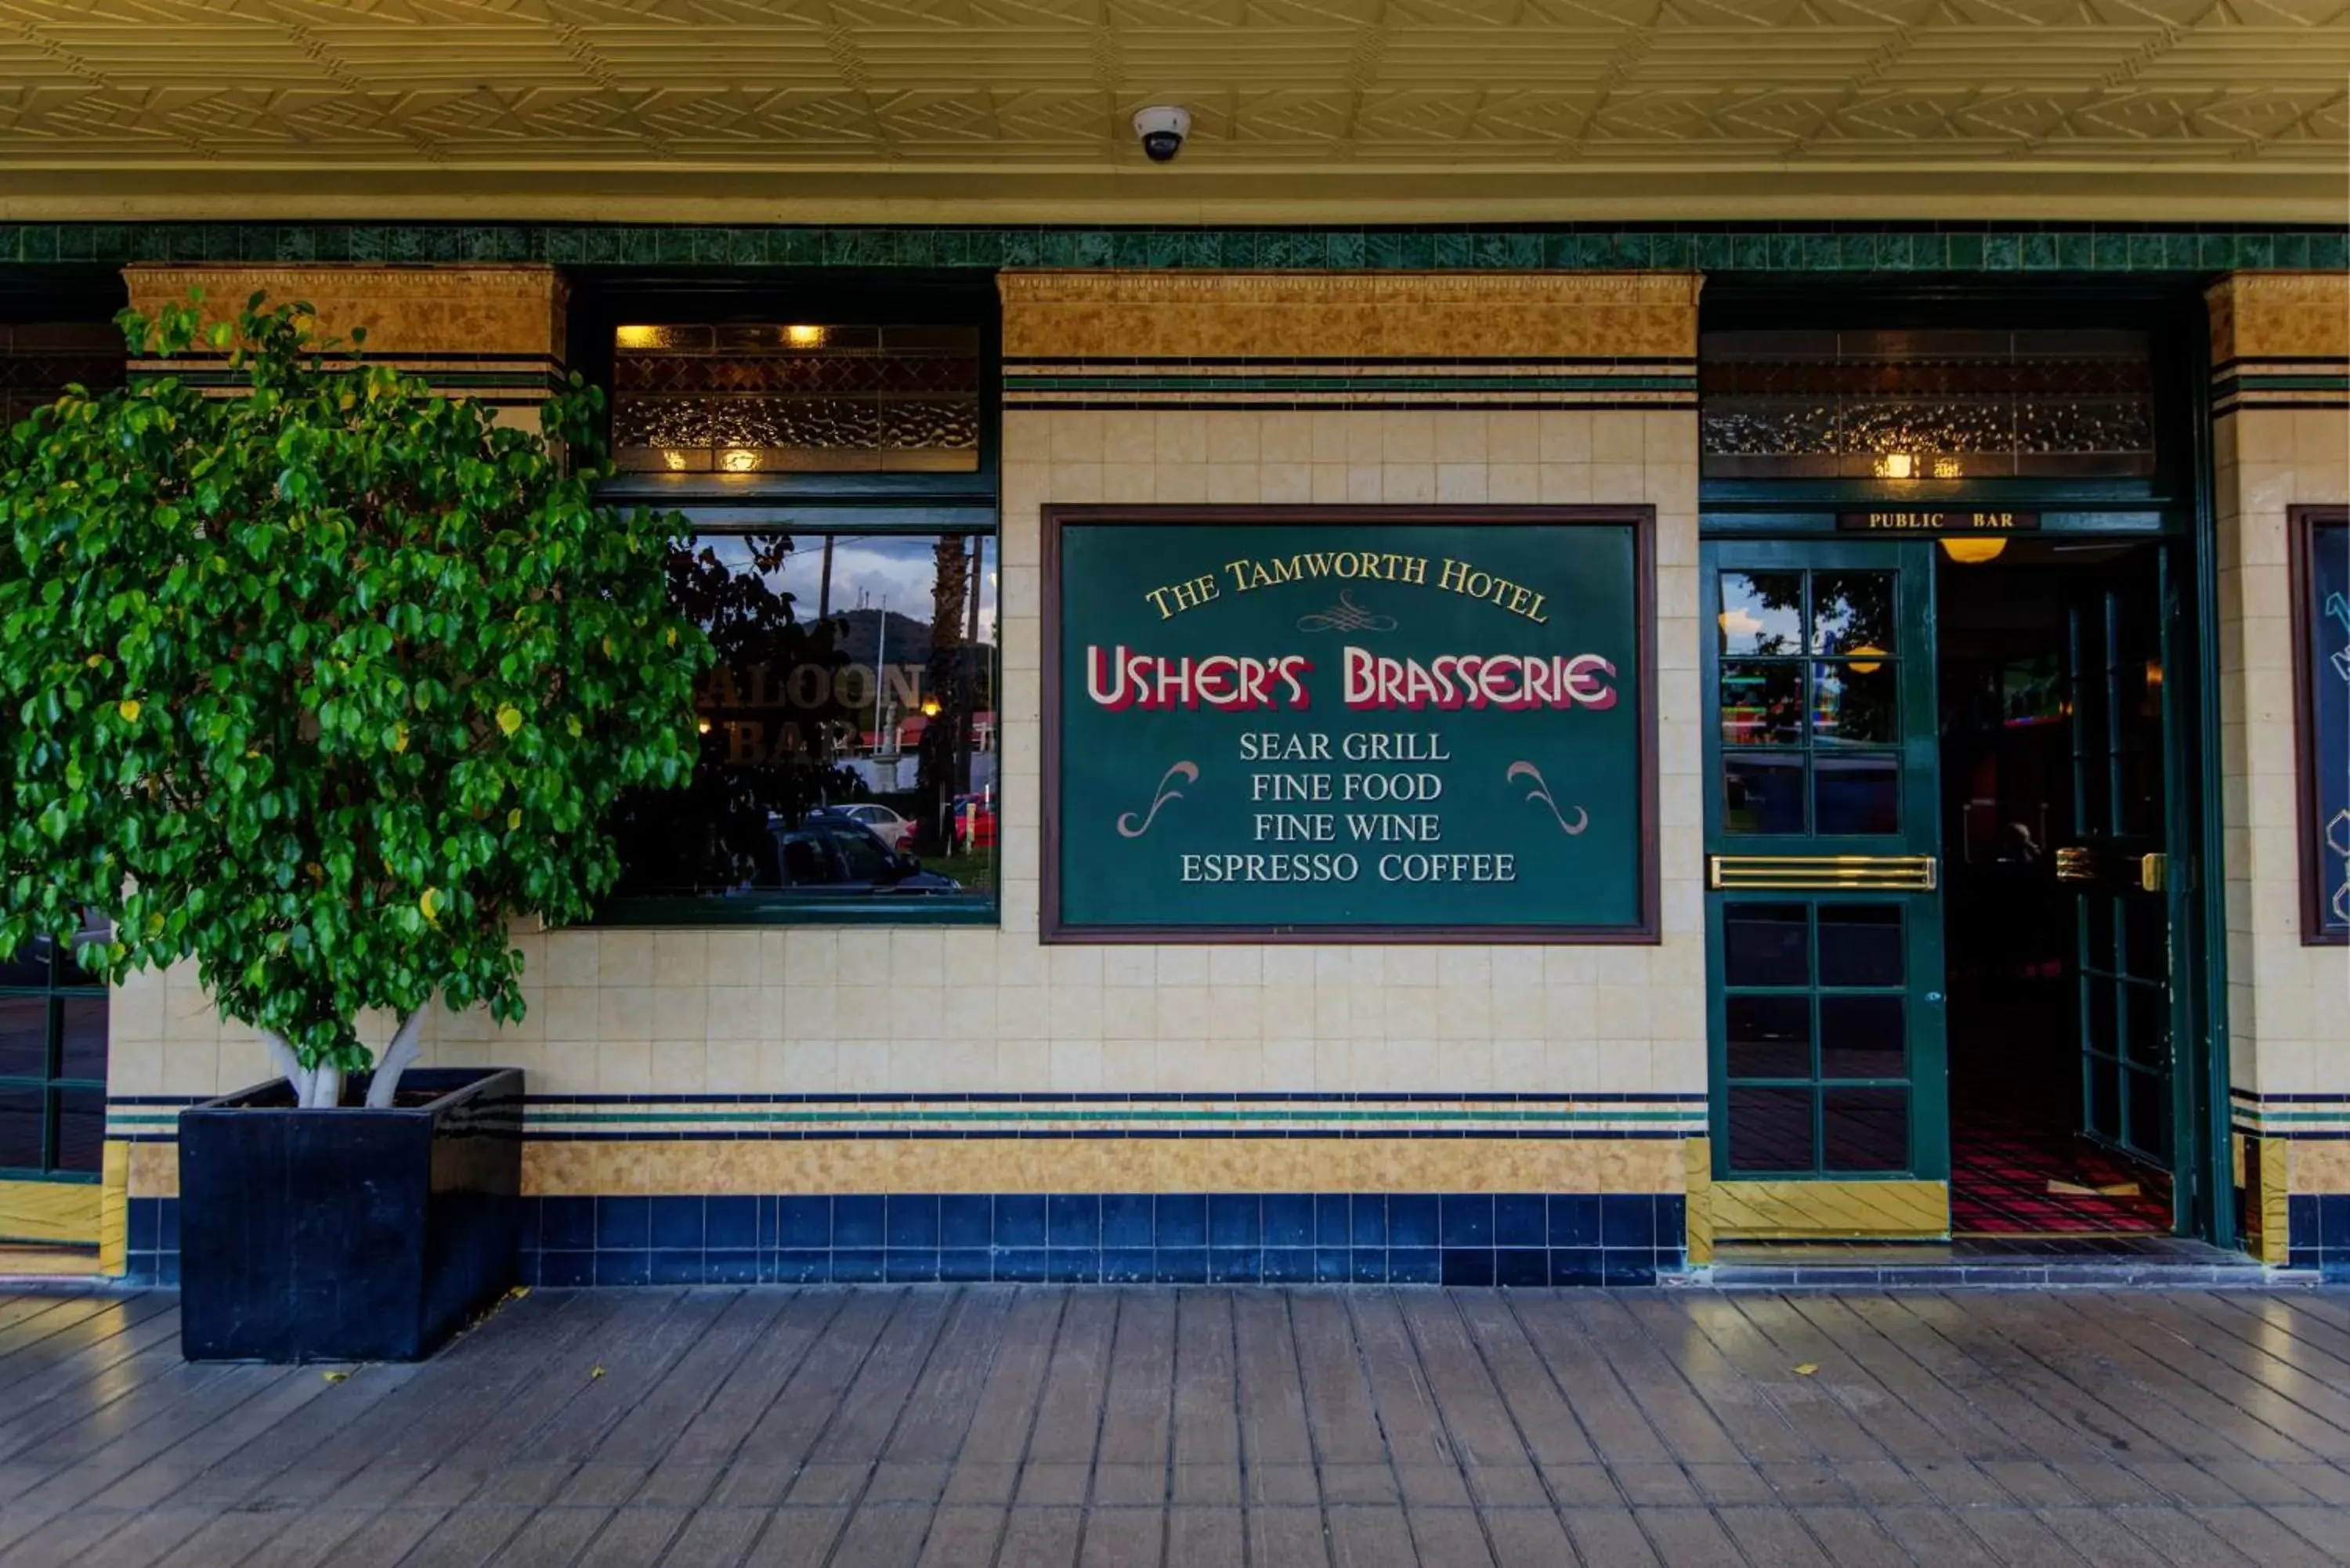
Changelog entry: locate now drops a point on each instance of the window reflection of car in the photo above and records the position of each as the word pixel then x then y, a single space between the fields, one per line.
pixel 892 829
pixel 972 823
pixel 833 855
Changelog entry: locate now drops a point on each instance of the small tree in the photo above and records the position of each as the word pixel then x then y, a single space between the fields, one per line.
pixel 321 684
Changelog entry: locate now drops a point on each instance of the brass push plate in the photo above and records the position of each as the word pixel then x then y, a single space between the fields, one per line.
pixel 1821 873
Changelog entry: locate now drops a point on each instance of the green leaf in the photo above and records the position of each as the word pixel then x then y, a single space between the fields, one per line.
pixel 250 651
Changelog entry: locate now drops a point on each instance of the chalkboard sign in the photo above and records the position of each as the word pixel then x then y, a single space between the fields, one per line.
pixel 2321 602
pixel 1349 723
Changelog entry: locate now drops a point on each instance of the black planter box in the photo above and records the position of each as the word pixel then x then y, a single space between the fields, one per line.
pixel 348 1234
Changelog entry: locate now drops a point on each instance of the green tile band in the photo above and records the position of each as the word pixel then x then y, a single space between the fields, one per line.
pixel 1843 248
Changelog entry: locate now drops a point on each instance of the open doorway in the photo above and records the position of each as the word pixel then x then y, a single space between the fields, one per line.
pixel 2056 923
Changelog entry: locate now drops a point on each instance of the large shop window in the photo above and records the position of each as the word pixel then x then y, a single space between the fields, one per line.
pixel 52 1064
pixel 838 463
pixel 849 727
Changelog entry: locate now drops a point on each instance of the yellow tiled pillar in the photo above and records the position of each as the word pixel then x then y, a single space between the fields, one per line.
pixel 2281 400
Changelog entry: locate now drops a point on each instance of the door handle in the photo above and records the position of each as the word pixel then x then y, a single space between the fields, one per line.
pixel 1933 999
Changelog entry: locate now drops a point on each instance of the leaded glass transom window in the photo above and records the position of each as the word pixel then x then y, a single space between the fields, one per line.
pixel 39 359
pixel 807 398
pixel 1925 405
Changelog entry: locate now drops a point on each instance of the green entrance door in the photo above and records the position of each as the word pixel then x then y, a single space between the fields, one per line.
pixel 2116 860
pixel 1822 837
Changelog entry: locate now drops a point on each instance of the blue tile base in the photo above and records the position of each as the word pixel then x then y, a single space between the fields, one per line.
pixel 1330 1238
pixel 1466 1238
pixel 2317 1234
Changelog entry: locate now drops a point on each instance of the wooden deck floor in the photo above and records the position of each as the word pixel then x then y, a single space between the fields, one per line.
pixel 1262 1427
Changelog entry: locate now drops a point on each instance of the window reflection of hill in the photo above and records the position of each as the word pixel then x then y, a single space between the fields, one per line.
pixel 715 833
pixel 795 698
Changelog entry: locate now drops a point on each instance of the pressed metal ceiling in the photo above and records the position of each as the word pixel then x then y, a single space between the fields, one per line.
pixel 1353 111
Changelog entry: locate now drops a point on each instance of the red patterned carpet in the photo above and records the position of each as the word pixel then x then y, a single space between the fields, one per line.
pixel 2000 1173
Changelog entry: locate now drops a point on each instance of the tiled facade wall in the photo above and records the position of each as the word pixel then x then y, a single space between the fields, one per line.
pixel 1401 1083
pixel 2281 348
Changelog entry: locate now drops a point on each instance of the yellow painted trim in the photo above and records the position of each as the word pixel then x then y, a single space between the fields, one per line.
pixel 2268 1184
pixel 45 1262
pixel 1855 1211
pixel 50 1211
pixel 114 1209
pixel 1697 1164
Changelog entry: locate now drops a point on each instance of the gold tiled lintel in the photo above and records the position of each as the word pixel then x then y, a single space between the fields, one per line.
pixel 1802 873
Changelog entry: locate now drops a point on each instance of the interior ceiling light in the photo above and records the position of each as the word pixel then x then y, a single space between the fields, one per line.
pixel 1973 552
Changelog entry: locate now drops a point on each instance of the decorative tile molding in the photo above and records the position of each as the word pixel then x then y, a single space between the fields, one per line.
pixel 1725 247
pixel 2280 315
pixel 1111 340
pixel 2280 340
pixel 2314 1118
pixel 491 333
pixel 1045 1143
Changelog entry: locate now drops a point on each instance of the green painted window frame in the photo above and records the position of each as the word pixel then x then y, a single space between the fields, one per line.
pixel 808 504
pixel 727 911
pixel 57 988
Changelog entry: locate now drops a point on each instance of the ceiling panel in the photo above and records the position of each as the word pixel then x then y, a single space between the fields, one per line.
pixel 1368 109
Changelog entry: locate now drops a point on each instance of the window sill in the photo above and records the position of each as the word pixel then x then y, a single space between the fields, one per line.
pixel 781 910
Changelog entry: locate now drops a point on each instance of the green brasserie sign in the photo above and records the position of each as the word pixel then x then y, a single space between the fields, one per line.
pixel 1349 723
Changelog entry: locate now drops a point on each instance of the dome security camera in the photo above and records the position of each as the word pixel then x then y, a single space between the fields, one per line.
pixel 1162 127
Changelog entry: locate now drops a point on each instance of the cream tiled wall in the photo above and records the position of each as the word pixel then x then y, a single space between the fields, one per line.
pixel 864 1010
pixel 881 1011
pixel 2288 1004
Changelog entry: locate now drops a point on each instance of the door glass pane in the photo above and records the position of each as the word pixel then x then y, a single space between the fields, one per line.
pixel 81 1129
pixel 2146 927
pixel 2098 921
pixel 2104 1025
pixel 1761 612
pixel 2104 1115
pixel 1860 944
pixel 2144 1040
pixel 2141 782
pixel 20 1127
pixel 1770 1129
pixel 23 1036
pixel 1857 794
pixel 82 1051
pixel 1761 704
pixel 1856 703
pixel 1764 944
pixel 1769 1036
pixel 1863 1037
pixel 2149 1114
pixel 30 966
pixel 1852 612
pixel 1762 794
pixel 1865 1129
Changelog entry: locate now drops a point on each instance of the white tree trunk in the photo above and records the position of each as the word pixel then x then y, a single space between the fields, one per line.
pixel 397 1056
pixel 321 1088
